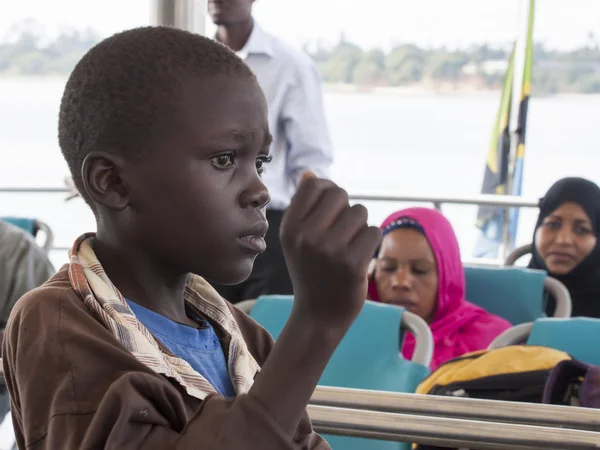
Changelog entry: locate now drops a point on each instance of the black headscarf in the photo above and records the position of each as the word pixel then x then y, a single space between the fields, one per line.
pixel 583 282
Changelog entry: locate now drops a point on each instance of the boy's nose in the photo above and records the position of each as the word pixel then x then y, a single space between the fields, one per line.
pixel 256 196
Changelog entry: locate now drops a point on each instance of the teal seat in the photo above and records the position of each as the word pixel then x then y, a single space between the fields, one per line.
pixel 33 226
pixel 25 224
pixel 516 294
pixel 577 336
pixel 367 358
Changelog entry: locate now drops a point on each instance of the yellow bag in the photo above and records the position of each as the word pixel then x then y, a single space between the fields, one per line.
pixel 513 373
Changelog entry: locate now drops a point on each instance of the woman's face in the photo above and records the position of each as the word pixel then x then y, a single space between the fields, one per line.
pixel 565 238
pixel 406 272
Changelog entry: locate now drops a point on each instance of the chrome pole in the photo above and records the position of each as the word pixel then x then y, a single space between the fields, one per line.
pixel 188 15
pixel 376 196
pixel 444 432
pixel 459 408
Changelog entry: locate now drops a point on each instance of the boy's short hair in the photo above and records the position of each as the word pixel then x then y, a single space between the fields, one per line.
pixel 126 91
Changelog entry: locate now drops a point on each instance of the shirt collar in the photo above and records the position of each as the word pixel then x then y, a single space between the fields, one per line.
pixel 258 43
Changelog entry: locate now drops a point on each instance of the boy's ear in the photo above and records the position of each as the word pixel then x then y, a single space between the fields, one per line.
pixel 101 174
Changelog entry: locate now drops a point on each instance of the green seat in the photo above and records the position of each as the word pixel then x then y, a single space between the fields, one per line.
pixel 514 293
pixel 33 226
pixel 367 358
pixel 25 224
pixel 577 336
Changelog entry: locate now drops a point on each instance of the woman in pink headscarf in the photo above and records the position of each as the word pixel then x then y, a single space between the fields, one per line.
pixel 418 267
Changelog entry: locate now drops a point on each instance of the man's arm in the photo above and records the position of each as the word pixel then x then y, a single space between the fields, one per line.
pixel 25 266
pixel 32 269
pixel 305 126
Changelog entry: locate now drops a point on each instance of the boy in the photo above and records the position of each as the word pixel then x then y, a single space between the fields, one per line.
pixel 166 135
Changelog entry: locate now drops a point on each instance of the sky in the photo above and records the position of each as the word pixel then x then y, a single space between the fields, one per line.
pixel 454 23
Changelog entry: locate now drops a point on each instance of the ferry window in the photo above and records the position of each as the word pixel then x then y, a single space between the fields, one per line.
pixel 411 94
pixel 40 42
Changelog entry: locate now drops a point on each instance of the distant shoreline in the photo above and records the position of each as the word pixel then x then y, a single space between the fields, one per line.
pixel 442 90
pixel 437 91
pixel 415 90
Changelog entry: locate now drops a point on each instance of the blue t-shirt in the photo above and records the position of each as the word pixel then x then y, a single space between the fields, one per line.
pixel 200 347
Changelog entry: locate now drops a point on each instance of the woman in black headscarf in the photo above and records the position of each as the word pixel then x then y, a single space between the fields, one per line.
pixel 566 241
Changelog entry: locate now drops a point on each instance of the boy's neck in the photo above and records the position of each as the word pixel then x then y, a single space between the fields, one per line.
pixel 139 278
pixel 235 36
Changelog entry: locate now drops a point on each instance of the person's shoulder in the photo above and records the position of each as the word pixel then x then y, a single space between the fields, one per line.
pixel 496 323
pixel 12 238
pixel 292 56
pixel 14 241
pixel 483 322
pixel 485 326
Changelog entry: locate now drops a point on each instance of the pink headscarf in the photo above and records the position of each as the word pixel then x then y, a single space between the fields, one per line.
pixel 458 326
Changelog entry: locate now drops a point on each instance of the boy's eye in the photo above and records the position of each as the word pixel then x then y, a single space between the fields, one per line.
pixel 223 161
pixel 261 161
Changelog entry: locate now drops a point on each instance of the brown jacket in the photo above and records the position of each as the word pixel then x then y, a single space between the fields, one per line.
pixel 73 385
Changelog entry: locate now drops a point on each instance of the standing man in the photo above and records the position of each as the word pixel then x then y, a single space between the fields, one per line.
pixel 301 142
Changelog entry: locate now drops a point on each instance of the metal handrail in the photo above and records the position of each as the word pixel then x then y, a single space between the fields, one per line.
pixel 33 190
pixel 516 335
pixel 444 432
pixel 459 408
pixel 505 201
pixel 561 296
pixel 48 244
pixel 517 254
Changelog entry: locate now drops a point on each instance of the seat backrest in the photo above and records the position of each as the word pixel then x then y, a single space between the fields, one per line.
pixel 577 336
pixel 33 226
pixel 23 223
pixel 367 358
pixel 516 294
pixel 517 254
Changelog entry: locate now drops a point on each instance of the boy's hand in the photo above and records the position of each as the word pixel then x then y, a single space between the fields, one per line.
pixel 328 247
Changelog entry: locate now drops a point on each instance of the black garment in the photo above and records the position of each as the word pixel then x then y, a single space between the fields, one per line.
pixel 269 275
pixel 583 282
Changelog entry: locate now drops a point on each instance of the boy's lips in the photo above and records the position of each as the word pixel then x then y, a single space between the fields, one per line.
pixel 254 238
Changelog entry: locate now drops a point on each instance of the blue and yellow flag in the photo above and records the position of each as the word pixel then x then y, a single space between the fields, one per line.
pixel 517 179
pixel 495 180
pixel 498 179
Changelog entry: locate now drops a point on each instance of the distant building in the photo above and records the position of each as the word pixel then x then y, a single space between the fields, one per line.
pixel 491 67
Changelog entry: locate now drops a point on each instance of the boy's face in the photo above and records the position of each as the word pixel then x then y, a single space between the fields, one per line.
pixel 197 204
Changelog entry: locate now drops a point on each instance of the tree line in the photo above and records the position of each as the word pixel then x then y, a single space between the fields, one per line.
pixel 28 52
pixel 575 71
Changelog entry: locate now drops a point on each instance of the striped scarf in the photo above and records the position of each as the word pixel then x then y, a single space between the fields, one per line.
pixel 110 308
